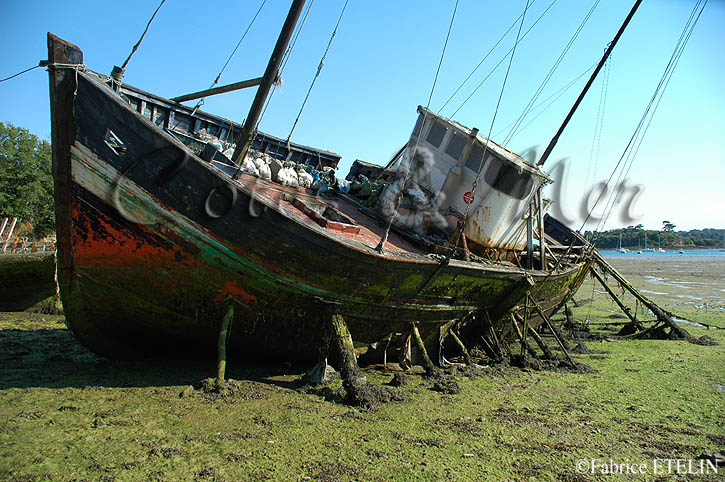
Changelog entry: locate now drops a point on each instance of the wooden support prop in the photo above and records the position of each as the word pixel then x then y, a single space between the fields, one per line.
pixel 524 343
pixel 464 244
pixel 222 345
pixel 464 350
pixel 427 363
pixel 658 312
pixel 542 344
pixel 569 315
pixel 554 331
pixel 542 235
pixel 616 299
pixel 342 341
pixel 524 333
pixel 219 90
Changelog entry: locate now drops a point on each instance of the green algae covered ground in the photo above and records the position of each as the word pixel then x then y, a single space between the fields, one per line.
pixel 66 414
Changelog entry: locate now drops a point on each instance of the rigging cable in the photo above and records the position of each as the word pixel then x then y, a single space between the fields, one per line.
pixel 216 81
pixel 551 72
pixel 598 126
pixel 518 40
pixel 440 62
pixel 549 101
pixel 135 47
pixel 490 51
pixel 285 59
pixel 319 69
pixel 493 120
pixel 639 133
pixel 21 73
pixel 414 151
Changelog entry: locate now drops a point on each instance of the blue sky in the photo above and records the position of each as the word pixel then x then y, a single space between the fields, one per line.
pixel 381 67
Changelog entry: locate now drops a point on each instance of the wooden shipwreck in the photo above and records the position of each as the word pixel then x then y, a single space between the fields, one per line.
pixel 163 242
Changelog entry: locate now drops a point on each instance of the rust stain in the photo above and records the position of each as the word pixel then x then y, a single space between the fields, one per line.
pixel 234 289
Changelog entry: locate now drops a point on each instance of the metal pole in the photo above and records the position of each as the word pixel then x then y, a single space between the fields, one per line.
pixel 270 75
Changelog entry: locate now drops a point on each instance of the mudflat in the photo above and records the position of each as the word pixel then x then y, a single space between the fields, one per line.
pixel 68 414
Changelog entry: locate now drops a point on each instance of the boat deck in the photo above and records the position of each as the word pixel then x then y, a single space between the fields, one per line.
pixel 349 221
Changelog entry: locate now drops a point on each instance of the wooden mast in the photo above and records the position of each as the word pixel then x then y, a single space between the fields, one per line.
pixel 270 75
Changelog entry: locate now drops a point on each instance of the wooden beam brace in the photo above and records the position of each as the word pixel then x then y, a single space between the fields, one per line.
pixel 219 90
pixel 524 343
pixel 658 312
pixel 542 344
pixel 464 350
pixel 616 299
pixel 427 363
pixel 554 331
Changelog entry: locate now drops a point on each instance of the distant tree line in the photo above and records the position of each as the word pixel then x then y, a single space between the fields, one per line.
pixel 633 237
pixel 26 182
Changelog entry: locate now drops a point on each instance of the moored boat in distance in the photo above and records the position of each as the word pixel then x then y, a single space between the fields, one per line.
pixel 619 245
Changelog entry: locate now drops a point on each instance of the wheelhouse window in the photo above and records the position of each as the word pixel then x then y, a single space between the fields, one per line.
pixel 475 158
pixel 456 145
pixel 436 134
pixel 506 179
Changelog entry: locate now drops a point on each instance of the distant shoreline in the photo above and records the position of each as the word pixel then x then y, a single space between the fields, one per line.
pixel 671 248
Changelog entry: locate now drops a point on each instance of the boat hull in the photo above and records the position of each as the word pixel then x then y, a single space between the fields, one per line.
pixel 153 243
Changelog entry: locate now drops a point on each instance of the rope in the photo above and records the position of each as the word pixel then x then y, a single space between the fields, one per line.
pixel 440 62
pixel 522 37
pixel 135 47
pixel 598 126
pixel 553 69
pixel 319 69
pixel 20 73
pixel 549 101
pixel 495 113
pixel 384 236
pixel 679 48
pixel 484 58
pixel 216 81
pixel 639 133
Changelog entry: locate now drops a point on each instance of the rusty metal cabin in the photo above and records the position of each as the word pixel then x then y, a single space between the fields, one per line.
pixel 444 159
